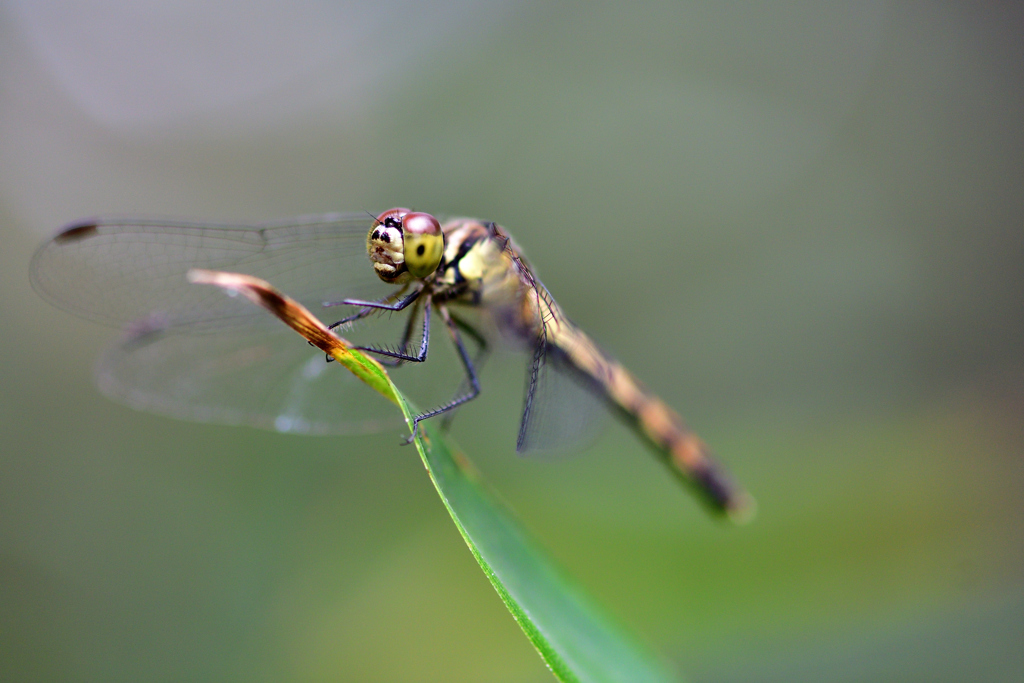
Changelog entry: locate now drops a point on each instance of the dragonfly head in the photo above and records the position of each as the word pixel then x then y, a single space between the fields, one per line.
pixel 404 245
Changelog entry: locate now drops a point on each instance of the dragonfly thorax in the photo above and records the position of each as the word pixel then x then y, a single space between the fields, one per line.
pixel 404 245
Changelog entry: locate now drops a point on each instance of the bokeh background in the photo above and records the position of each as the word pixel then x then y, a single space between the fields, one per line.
pixel 802 224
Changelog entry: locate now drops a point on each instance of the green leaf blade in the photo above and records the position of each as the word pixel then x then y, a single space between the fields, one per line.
pixel 576 640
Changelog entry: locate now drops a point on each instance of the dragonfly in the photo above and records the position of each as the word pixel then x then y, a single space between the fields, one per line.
pixel 192 353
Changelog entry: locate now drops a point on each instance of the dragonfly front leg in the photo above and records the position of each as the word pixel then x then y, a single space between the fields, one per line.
pixel 403 344
pixel 388 303
pixel 400 355
pixel 471 376
pixel 358 315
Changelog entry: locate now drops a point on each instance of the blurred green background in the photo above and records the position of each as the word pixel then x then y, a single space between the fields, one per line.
pixel 802 225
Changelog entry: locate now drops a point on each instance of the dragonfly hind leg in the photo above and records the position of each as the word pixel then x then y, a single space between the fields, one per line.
pixel 467 363
pixel 482 352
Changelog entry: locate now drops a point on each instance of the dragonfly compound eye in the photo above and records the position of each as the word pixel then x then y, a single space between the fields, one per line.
pixel 386 246
pixel 424 243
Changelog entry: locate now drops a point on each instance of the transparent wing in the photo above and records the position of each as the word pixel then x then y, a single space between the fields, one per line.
pixel 273 380
pixel 190 351
pixel 119 271
pixel 563 407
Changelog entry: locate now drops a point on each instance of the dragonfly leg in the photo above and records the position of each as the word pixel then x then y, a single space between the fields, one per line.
pixel 482 352
pixel 358 315
pixel 389 303
pixel 383 304
pixel 393 296
pixel 400 354
pixel 471 377
pixel 403 344
pixel 366 310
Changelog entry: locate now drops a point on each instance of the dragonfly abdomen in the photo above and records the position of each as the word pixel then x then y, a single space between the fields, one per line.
pixel 482 268
pixel 654 420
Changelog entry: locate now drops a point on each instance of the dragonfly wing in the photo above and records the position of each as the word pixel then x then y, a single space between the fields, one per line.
pixel 561 407
pixel 273 381
pixel 191 351
pixel 120 271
